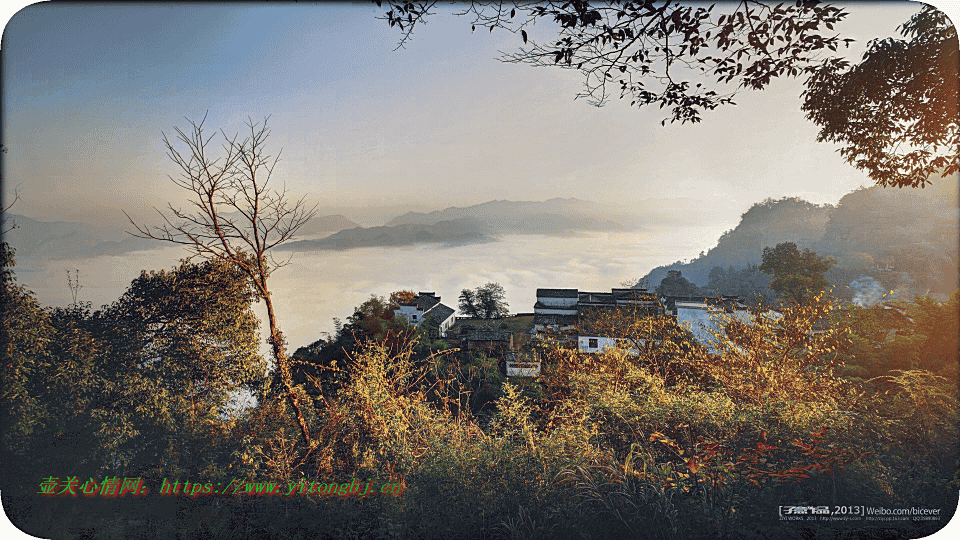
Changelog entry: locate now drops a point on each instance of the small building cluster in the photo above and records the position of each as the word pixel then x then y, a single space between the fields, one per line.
pixel 484 338
pixel 576 318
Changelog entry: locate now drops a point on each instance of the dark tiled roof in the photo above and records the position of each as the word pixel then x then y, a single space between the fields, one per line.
pixel 487 333
pixel 637 299
pixel 559 320
pixel 728 303
pixel 633 295
pixel 439 312
pixel 641 309
pixel 426 301
pixel 557 293
pixel 631 291
pixel 595 298
pixel 541 305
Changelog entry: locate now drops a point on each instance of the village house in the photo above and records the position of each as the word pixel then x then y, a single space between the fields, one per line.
pixel 556 310
pixel 485 338
pixel 700 315
pixel 504 340
pixel 574 315
pixel 426 305
pixel 514 366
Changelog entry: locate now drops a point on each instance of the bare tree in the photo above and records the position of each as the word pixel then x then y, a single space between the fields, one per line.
pixel 235 217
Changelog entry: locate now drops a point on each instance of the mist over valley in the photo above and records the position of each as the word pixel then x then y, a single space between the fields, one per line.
pixel 525 245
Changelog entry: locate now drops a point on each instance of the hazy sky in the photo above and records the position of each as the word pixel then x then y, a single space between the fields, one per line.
pixel 89 88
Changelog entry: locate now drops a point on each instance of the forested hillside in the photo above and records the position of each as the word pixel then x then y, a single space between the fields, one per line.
pixel 765 224
pixel 906 239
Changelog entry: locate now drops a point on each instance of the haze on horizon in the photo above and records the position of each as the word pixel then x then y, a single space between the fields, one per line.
pixel 88 89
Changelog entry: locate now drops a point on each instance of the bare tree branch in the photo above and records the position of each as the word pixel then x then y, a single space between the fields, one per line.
pixel 5 211
pixel 236 217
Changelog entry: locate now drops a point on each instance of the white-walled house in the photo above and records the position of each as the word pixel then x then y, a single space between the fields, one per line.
pixel 556 309
pixel 516 367
pixel 595 343
pixel 702 318
pixel 427 305
pixel 412 313
pixel 568 313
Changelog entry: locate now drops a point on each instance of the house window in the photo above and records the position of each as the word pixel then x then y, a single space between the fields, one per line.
pixel 592 343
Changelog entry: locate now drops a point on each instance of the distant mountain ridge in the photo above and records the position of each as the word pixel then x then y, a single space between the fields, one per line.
pixel 453 232
pixel 516 215
pixel 326 225
pixel 58 240
pixel 765 224
pixel 472 224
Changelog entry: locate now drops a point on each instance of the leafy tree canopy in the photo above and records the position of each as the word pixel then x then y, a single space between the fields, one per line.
pixel 749 283
pixel 188 339
pixel 402 297
pixel 892 336
pixel 658 53
pixel 896 111
pixel 371 322
pixel 674 284
pixel 484 302
pixel 141 387
pixel 374 318
pixel 797 276
pixel 194 325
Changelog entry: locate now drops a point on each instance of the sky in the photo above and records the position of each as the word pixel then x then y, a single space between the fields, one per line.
pixel 89 90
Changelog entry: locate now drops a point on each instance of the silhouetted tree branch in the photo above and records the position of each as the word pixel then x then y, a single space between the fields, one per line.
pixel 6 209
pixel 664 53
